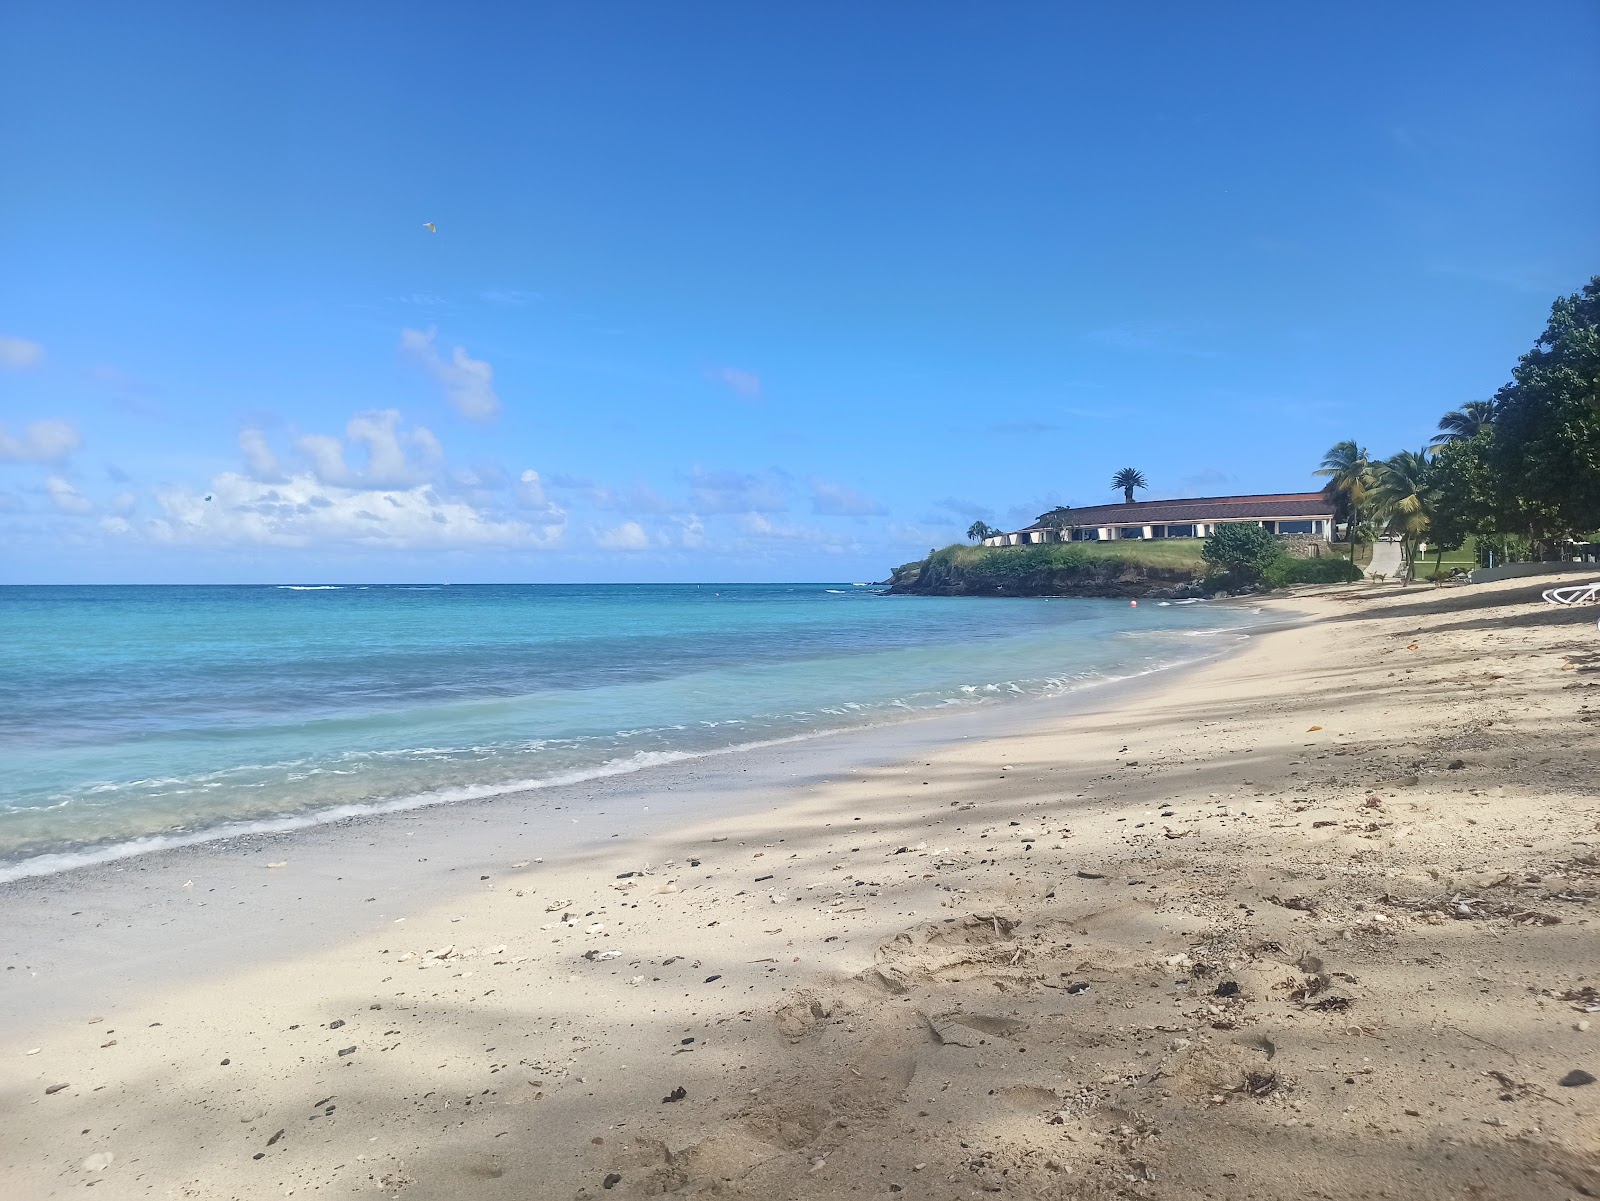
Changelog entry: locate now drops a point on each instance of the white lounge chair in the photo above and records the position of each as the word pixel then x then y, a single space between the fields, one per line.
pixel 1574 594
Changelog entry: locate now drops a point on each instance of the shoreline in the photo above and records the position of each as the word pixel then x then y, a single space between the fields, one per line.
pixel 626 807
pixel 1195 938
pixel 47 864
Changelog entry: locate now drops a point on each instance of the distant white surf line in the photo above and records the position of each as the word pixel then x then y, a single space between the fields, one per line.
pixel 51 863
pixel 310 587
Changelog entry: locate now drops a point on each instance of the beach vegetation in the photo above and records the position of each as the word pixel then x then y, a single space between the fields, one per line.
pixel 1241 551
pixel 1083 568
pixel 1348 469
pixel 1330 569
pixel 1515 476
pixel 1403 496
pixel 979 530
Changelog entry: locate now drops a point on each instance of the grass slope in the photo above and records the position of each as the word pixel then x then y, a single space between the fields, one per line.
pixel 1085 568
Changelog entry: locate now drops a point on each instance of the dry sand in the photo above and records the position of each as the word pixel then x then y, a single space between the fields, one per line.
pixel 1315 920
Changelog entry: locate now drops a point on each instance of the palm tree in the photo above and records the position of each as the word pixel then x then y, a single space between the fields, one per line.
pixel 1349 473
pixel 979 530
pixel 1128 479
pixel 1403 497
pixel 1466 422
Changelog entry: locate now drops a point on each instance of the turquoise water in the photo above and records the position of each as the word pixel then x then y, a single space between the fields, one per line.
pixel 143 716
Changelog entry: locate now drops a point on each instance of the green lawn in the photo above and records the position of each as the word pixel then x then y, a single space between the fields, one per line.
pixel 1464 557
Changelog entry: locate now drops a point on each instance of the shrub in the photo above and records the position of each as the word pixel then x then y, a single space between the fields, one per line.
pixel 1286 570
pixel 1242 550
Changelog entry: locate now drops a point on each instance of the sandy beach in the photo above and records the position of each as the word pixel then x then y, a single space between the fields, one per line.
pixel 1313 919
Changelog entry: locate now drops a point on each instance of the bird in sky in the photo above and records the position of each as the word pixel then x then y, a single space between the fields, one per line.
pixel 430 227
pixel 208 498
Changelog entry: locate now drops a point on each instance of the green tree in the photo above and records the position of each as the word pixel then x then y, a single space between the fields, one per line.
pixel 1470 420
pixel 1546 449
pixel 1462 485
pixel 1349 473
pixel 1403 498
pixel 1128 479
pixel 1242 549
pixel 979 530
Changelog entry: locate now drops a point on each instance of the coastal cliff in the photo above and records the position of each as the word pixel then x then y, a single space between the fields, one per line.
pixel 1132 570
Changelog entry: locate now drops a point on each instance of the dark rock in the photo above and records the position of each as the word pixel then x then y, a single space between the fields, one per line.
pixel 1576 1078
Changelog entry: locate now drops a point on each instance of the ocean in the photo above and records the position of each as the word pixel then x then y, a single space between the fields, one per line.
pixel 138 717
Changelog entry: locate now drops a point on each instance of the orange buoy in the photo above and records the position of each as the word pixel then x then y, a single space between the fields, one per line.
pixel 1134 604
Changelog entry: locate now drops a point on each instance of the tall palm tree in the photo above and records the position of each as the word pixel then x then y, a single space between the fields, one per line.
pixel 1403 498
pixel 1466 422
pixel 1128 479
pixel 1349 473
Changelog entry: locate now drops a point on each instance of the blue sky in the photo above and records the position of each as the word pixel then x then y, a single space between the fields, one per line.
pixel 732 291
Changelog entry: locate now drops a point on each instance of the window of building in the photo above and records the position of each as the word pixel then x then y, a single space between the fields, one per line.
pixel 1297 527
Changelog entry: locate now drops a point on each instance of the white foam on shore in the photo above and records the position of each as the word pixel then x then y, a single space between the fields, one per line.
pixel 60 861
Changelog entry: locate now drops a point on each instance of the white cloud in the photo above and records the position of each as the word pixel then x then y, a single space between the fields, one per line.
pixel 259 456
pixel 468 383
pixel 326 455
pixel 742 383
pixel 762 533
pixel 394 458
pixel 836 500
pixel 692 533
pixel 634 498
pixel 305 510
pixel 734 492
pixel 124 502
pixel 40 442
pixel 18 353
pixel 65 497
pixel 530 495
pixel 629 535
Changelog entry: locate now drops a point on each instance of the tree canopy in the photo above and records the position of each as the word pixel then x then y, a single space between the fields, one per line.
pixel 1523 466
pixel 1468 421
pixel 1128 479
